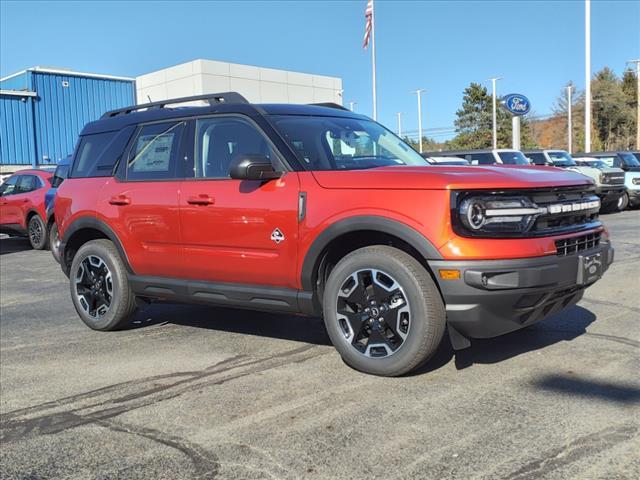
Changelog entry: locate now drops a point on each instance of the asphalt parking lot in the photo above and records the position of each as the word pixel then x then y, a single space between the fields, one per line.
pixel 195 392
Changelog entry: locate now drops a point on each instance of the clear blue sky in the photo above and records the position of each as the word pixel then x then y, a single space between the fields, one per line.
pixel 537 46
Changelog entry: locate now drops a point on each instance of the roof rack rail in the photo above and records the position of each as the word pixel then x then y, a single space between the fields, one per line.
pixel 330 105
pixel 211 98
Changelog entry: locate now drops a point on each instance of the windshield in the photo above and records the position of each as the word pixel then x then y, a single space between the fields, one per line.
pixel 630 159
pixel 562 159
pixel 336 143
pixel 513 158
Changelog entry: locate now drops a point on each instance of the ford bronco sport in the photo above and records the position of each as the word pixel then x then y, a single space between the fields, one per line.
pixel 316 210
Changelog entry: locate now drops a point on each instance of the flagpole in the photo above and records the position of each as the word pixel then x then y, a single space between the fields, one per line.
pixel 373 61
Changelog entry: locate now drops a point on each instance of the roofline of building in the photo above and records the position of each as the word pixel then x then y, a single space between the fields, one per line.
pixel 67 72
pixel 19 93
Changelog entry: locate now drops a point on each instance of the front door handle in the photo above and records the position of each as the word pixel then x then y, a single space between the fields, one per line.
pixel 119 200
pixel 202 199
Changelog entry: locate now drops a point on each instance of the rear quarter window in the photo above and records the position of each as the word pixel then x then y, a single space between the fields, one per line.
pixel 87 158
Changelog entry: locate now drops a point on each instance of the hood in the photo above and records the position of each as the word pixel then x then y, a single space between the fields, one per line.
pixel 436 177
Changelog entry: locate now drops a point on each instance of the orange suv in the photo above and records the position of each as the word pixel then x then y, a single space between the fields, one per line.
pixel 315 210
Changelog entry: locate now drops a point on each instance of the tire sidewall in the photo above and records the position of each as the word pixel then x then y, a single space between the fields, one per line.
pixel 419 326
pixel 44 237
pixel 53 238
pixel 111 318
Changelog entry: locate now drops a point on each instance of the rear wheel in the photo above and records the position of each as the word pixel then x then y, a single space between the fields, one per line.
pixel 37 233
pixel 383 311
pixel 100 288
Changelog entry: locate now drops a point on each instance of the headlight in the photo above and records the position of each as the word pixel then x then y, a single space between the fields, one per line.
pixel 602 178
pixel 498 215
pixel 635 181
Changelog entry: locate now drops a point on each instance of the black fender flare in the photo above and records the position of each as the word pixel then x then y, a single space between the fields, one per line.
pixel 93 224
pixel 363 222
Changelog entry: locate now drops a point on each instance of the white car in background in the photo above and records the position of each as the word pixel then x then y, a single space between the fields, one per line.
pixel 631 196
pixel 446 160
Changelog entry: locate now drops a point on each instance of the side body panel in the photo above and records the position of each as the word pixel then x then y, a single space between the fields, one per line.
pixel 232 239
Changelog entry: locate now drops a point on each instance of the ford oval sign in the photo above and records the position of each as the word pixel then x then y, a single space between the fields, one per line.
pixel 516 104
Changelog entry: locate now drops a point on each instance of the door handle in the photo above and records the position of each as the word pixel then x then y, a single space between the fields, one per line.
pixel 202 199
pixel 119 200
pixel 25 200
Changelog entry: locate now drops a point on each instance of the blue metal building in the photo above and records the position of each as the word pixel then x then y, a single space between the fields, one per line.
pixel 43 110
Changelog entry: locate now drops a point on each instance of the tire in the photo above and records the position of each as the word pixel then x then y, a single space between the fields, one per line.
pixel 623 202
pixel 417 303
pixel 54 241
pixel 37 232
pixel 114 307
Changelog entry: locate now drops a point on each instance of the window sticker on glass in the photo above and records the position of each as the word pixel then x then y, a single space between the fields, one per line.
pixel 153 153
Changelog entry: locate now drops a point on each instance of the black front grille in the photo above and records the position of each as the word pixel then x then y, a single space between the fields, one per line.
pixel 613 178
pixel 566 221
pixel 569 246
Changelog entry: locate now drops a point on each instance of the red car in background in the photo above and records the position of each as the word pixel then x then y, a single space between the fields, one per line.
pixel 22 207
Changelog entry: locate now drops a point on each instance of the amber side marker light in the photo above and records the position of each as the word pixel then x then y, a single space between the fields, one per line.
pixel 450 274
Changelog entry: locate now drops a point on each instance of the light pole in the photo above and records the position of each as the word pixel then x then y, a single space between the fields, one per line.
pixel 400 124
pixel 494 111
pixel 587 76
pixel 419 92
pixel 352 104
pixel 637 62
pixel 569 123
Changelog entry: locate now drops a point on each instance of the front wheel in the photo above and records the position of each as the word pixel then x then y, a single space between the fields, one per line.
pixel 383 311
pixel 54 241
pixel 100 288
pixel 623 202
pixel 37 233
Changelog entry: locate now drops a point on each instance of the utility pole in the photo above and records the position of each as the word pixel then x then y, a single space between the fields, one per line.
pixel 419 92
pixel 495 111
pixel 569 123
pixel 587 76
pixel 637 62
pixel 400 124
pixel 352 104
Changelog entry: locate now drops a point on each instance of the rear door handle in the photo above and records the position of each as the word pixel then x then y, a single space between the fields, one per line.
pixel 119 200
pixel 202 199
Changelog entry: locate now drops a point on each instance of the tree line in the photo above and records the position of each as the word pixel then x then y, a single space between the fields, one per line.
pixel 613 106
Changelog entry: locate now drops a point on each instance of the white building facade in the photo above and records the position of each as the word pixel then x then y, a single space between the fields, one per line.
pixel 256 84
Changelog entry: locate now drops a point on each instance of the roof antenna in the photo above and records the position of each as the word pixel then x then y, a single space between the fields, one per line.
pixel 149 97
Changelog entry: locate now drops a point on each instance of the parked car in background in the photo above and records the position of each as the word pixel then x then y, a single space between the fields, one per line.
pixel 60 174
pixel 500 156
pixel 22 207
pixel 609 181
pixel 318 210
pixel 631 197
pixel 445 160
pixel 627 161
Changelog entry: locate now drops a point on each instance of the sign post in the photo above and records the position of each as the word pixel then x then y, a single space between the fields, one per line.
pixel 517 105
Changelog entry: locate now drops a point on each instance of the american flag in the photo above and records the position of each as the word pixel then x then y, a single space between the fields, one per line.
pixel 368 14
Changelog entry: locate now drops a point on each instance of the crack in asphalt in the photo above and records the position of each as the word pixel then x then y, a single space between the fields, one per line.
pixel 584 446
pixel 607 303
pixel 13 427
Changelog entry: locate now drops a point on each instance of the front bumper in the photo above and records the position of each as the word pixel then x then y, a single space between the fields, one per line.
pixel 495 297
pixel 609 193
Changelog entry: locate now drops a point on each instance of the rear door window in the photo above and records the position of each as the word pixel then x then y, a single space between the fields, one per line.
pixel 27 183
pixel 154 152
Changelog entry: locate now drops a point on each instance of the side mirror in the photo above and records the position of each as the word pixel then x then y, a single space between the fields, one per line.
pixel 252 167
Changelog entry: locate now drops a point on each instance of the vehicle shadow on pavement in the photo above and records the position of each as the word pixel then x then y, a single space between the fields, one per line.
pixel 264 324
pixel 564 326
pixel 570 385
pixel 14 245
